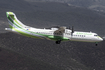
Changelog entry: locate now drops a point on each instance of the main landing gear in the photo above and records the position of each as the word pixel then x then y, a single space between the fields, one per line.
pixel 58 41
pixel 96 44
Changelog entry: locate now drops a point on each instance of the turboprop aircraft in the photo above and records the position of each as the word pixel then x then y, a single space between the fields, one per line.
pixel 57 34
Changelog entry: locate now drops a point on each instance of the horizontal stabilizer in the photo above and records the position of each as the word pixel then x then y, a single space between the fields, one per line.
pixel 8 29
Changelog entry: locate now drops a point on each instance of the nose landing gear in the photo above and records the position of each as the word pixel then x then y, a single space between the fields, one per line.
pixel 96 44
pixel 58 41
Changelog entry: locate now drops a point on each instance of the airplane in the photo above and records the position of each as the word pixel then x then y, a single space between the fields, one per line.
pixel 56 34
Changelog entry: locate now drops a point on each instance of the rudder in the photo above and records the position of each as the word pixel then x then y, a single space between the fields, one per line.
pixel 13 21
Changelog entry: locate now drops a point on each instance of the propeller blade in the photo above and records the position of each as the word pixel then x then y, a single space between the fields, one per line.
pixel 72 29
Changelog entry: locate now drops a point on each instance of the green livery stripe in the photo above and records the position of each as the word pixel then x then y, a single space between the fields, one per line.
pixel 28 35
pixel 12 16
pixel 20 27
pixel 16 23
pixel 13 22
pixel 25 34
pixel 10 26
pixel 53 37
pixel 81 33
pixel 57 38
pixel 16 20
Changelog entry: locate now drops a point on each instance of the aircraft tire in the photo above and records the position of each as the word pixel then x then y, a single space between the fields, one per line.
pixel 58 42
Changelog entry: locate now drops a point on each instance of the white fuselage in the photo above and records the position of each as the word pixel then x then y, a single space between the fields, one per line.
pixel 76 36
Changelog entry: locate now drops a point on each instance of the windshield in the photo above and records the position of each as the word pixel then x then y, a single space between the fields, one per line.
pixel 95 35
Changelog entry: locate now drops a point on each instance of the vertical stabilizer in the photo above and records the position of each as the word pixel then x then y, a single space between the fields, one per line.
pixel 13 21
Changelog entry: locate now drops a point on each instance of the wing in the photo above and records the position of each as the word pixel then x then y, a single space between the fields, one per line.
pixel 60 30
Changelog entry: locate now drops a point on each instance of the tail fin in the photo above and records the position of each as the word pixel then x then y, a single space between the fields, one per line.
pixel 13 21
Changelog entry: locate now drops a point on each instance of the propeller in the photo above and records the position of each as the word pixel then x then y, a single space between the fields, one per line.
pixel 72 29
pixel 69 27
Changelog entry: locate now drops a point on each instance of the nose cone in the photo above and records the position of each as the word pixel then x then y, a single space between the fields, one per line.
pixel 100 39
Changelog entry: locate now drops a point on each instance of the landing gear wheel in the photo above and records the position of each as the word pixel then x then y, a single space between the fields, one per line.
pixel 96 44
pixel 58 42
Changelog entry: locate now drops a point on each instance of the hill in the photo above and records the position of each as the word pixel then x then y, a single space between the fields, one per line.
pixel 43 53
pixel 11 60
pixel 98 5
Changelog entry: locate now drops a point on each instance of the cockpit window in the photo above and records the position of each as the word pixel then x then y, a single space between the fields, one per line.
pixel 95 35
